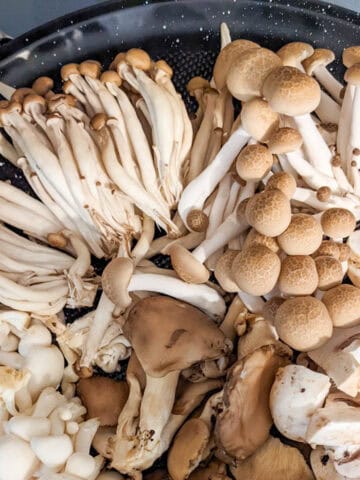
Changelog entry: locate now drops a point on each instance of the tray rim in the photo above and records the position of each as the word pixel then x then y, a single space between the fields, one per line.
pixel 93 11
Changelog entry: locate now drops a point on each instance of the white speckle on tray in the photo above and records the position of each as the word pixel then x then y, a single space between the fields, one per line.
pixel 164 27
pixel 201 29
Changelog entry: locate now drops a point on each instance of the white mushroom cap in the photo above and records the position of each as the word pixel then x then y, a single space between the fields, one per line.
pixel 254 162
pixel 256 238
pixel 256 270
pixel 303 323
pixel 353 243
pixel 223 273
pixel 302 237
pixel 330 272
pixel 338 222
pixel 269 212
pixel 284 182
pixel 295 395
pixel 52 450
pixel 298 275
pixel 17 460
pixel 343 305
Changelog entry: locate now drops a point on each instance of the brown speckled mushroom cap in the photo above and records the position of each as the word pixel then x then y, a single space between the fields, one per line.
pixel 187 449
pixel 256 238
pixel 168 335
pixel 320 58
pixel 223 272
pixel 351 55
pixel 248 72
pixel 269 212
pixel 302 237
pixel 256 270
pixel 298 275
pixel 293 53
pixel 285 140
pixel 338 222
pixel 284 182
pixel 197 220
pixel 303 323
pixel 259 120
pixel 343 304
pixel 254 162
pixel 187 266
pixel 226 57
pixel 291 92
pixel 329 270
pixel 328 248
pixel 352 75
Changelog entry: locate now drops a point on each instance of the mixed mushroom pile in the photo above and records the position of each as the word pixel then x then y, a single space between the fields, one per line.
pixel 240 361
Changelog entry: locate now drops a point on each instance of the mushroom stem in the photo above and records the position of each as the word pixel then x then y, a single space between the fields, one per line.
pixel 329 82
pixel 328 110
pixel 8 151
pixel 85 435
pixel 143 244
pixel 344 125
pixel 162 244
pixel 6 90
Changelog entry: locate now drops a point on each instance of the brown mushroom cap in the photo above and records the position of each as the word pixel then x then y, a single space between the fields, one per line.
pixel 269 212
pixel 293 53
pixel 187 449
pixel 115 280
pixel 168 335
pixel 197 83
pixel 223 272
pixel 344 252
pixel 285 140
pixel 271 307
pixel 259 120
pixel 138 58
pixel 90 68
pixel 291 92
pixel 343 304
pixel 33 99
pixel 197 220
pixel 254 162
pixel 328 248
pixel 303 323
pixel 248 72
pixel 352 75
pixel 302 237
pixel 244 423
pixel 226 57
pixel 298 275
pixel 284 182
pixel 320 58
pixel 256 238
pixel 103 398
pixel 256 269
pixel 119 58
pixel 109 76
pixel 189 395
pixel 215 470
pixel 187 266
pixel 338 222
pixel 43 85
pixel 329 270
pixel 351 55
pixel 20 93
pixel 164 67
pixel 69 69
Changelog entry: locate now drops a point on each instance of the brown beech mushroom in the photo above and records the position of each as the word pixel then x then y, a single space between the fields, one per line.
pixel 343 305
pixel 284 182
pixel 328 248
pixel 269 212
pixel 271 307
pixel 244 423
pixel 273 461
pixel 254 162
pixel 329 271
pixel 103 398
pixel 256 270
pixel 338 223
pixel 302 237
pixel 223 273
pixel 303 323
pixel 256 238
pixel 298 275
pixel 294 53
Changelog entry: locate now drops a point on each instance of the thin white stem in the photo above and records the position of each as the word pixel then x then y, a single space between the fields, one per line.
pixel 344 125
pixel 328 110
pixel 329 82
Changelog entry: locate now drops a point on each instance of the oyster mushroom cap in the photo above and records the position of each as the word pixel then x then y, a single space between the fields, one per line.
pixel 298 275
pixel 303 323
pixel 254 162
pixel 338 222
pixel 189 395
pixel 259 333
pixel 284 182
pixel 223 271
pixel 329 271
pixel 273 460
pixel 244 423
pixel 256 238
pixel 183 335
pixel 187 266
pixel 258 119
pixel 343 305
pixel 291 92
pixel 269 212
pixel 303 235
pixel 103 398
pixel 248 71
pixel 352 75
pixel 256 269
pixel 271 307
pixel 187 449
pixel 294 53
pixel 285 140
pixel 197 83
pixel 321 57
pixel 296 394
pixel 227 56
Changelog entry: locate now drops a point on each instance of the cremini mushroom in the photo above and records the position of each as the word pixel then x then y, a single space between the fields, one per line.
pixel 343 305
pixel 302 237
pixel 303 323
pixel 298 275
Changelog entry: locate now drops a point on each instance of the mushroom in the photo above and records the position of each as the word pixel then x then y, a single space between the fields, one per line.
pixel 273 460
pixel 298 275
pixel 294 53
pixel 338 223
pixel 343 305
pixel 296 394
pixel 13 449
pixel 302 237
pixel 256 238
pixel 303 323
pixel 282 181
pixel 103 398
pixel 329 271
pixel 328 248
pixel 254 162
pixel 271 307
pixel 215 470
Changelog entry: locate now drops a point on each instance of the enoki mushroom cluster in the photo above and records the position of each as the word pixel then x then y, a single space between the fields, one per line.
pixel 242 360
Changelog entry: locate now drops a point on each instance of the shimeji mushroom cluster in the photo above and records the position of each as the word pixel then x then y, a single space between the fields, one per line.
pixel 243 359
